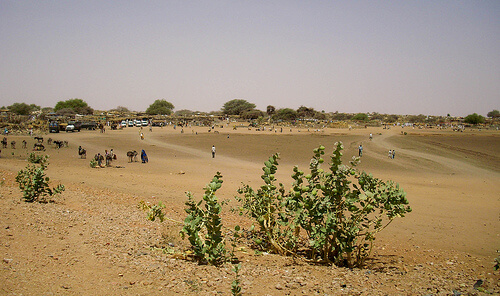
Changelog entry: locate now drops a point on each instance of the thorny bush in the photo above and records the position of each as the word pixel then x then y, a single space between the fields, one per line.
pixel 327 216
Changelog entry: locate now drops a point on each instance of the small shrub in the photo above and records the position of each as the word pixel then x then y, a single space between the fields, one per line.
pixel 339 217
pixel 153 211
pixel 203 226
pixel 235 285
pixel 40 159
pixel 34 184
pixel 93 163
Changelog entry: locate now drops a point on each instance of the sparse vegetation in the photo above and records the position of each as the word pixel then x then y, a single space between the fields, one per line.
pixel 339 217
pixel 235 285
pixel 203 227
pixel 93 163
pixel 33 182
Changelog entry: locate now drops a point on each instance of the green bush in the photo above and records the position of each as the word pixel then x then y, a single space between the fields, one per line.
pixel 40 159
pixel 203 226
pixel 474 119
pixel 153 211
pixel 33 182
pixel 339 217
pixel 93 163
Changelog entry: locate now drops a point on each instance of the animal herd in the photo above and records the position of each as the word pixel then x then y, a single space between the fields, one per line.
pixel 38 146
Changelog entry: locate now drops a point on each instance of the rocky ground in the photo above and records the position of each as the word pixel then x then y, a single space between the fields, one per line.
pixel 99 242
pixel 94 240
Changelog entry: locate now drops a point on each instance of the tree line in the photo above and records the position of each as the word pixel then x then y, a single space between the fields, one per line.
pixel 244 110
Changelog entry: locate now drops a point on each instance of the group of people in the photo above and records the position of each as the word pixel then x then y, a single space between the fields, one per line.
pixel 392 154
pixel 107 157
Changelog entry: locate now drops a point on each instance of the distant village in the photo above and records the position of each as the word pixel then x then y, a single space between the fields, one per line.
pixel 45 120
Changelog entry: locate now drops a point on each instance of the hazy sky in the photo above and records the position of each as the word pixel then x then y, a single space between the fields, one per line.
pixel 404 57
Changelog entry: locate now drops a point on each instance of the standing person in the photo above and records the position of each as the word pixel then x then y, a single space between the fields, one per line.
pixel 390 153
pixel 393 153
pixel 144 156
pixel 371 136
pixel 213 151
pixel 142 136
pixel 360 150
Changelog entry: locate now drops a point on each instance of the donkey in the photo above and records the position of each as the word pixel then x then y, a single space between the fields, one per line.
pixel 59 144
pixel 132 154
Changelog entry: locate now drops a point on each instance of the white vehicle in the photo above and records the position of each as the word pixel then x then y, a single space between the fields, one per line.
pixel 130 123
pixel 137 123
pixel 124 123
pixel 70 128
pixel 144 122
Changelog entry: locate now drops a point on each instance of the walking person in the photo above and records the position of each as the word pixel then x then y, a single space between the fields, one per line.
pixel 393 153
pixel 360 150
pixel 213 151
pixel 390 154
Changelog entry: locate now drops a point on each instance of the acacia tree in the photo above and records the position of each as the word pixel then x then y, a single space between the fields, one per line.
pixel 23 108
pixel 77 105
pixel 121 109
pixel 252 114
pixel 237 107
pixel 270 110
pixel 493 114
pixel 285 114
pixel 304 112
pixel 474 119
pixel 160 107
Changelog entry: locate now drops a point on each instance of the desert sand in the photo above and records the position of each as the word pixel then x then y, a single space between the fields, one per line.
pixel 93 240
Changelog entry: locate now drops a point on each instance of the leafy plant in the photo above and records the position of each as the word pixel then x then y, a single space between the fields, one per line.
pixel 203 225
pixel 34 184
pixel 339 217
pixel 93 163
pixel 235 285
pixel 40 159
pixel 153 211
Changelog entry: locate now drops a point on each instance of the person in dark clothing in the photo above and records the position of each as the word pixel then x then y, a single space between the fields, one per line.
pixel 144 156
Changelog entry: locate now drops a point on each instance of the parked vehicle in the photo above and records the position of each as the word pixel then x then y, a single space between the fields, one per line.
pixel 123 123
pixel 89 125
pixel 130 123
pixel 53 127
pixel 73 126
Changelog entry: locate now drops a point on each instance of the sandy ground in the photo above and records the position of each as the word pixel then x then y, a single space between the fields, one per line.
pixel 94 240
